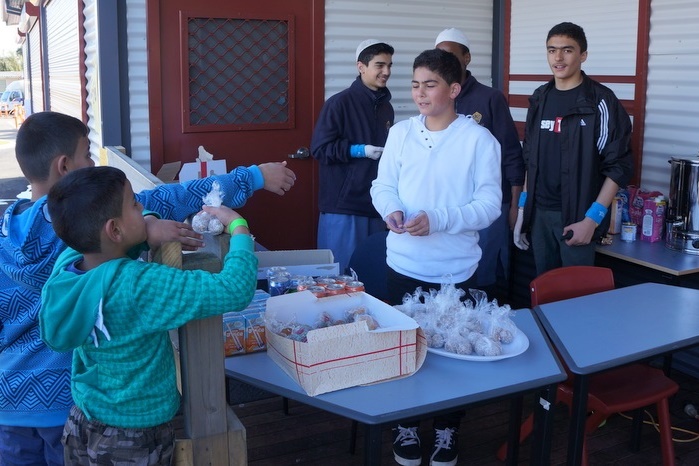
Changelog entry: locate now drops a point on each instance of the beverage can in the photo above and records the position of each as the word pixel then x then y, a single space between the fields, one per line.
pixel 279 283
pixel 318 291
pixel 628 231
pixel 333 289
pixel 354 286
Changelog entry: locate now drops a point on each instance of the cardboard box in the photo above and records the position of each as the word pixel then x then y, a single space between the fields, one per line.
pixel 311 262
pixel 346 355
pixel 616 210
pixel 233 333
pixel 195 170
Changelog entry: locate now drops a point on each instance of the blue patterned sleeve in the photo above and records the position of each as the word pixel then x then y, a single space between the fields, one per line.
pixel 178 201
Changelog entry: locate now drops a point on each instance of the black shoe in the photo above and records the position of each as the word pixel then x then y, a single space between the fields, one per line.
pixel 406 446
pixel 446 447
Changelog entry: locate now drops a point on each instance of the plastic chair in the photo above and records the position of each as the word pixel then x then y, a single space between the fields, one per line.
pixel 369 262
pixel 626 388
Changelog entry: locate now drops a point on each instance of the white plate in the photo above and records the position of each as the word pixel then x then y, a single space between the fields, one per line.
pixel 519 345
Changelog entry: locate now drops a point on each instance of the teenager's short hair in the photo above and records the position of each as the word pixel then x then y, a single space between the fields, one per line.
pixel 81 202
pixel 444 63
pixel 571 30
pixel 44 136
pixel 370 52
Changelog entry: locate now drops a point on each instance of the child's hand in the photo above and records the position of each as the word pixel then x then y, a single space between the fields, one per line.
pixel 167 231
pixel 223 213
pixel 394 222
pixel 278 178
pixel 418 224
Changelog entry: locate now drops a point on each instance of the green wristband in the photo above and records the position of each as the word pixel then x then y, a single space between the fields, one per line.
pixel 238 222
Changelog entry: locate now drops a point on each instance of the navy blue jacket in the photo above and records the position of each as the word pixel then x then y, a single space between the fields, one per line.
pixel 596 144
pixel 489 108
pixel 356 115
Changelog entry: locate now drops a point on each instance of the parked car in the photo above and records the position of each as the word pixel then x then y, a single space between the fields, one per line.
pixel 10 99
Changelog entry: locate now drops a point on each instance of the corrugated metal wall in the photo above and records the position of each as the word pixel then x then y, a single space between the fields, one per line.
pixel 64 57
pixel 37 90
pixel 410 27
pixel 672 109
pixel 138 81
pixel 94 112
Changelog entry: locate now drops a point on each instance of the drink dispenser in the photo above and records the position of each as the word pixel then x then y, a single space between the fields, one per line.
pixel 682 215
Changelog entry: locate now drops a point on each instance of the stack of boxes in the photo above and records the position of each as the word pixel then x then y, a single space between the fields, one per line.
pixel 244 331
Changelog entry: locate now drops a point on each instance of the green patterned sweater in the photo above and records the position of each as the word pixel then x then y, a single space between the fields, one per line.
pixel 116 318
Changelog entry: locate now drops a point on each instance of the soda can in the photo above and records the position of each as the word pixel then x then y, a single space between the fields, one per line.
pixel 343 278
pixel 333 289
pixel 354 286
pixel 305 284
pixel 318 291
pixel 628 231
pixel 325 281
pixel 279 283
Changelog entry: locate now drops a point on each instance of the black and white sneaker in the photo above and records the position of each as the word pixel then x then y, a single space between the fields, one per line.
pixel 446 447
pixel 406 445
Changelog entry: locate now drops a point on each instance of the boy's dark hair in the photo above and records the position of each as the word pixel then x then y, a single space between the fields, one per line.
pixel 44 136
pixel 81 202
pixel 571 30
pixel 370 52
pixel 444 63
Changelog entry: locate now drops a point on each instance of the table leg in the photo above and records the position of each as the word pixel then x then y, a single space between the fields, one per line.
pixel 514 428
pixel 543 425
pixel 576 435
pixel 372 444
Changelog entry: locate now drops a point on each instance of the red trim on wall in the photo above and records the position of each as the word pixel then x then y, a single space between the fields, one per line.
pixel 601 78
pixel 639 121
pixel 31 9
pixel 155 102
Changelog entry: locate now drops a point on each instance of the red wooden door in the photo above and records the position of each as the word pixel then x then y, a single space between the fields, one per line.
pixel 244 80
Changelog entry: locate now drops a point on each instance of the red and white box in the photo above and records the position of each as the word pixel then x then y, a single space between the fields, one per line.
pixel 346 355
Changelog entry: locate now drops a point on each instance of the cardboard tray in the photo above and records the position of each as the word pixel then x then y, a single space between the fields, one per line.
pixel 346 355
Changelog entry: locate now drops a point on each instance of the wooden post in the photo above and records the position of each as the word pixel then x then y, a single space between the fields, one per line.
pixel 214 435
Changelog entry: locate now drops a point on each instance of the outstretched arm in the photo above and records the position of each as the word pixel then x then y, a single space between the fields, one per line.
pixel 277 178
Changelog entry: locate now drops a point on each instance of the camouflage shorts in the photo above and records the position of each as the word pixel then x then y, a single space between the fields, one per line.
pixel 91 443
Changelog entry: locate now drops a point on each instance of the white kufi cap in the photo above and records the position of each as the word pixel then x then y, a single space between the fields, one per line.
pixel 452 35
pixel 365 44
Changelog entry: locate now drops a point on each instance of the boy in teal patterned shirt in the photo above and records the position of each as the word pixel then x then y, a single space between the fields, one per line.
pixel 115 313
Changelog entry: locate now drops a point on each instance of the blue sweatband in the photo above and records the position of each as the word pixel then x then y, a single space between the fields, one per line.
pixel 357 151
pixel 596 212
pixel 258 180
pixel 522 199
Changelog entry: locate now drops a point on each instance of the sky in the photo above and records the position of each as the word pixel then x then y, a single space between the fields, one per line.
pixel 8 35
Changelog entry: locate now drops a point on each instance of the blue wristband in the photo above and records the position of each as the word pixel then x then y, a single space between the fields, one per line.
pixel 596 212
pixel 522 199
pixel 357 151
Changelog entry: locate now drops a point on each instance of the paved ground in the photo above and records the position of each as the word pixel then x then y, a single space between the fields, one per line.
pixel 12 182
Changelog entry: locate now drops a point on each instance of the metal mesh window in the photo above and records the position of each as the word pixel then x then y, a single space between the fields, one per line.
pixel 238 72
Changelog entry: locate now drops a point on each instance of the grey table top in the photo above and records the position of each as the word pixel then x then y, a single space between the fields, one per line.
pixel 608 329
pixel 441 384
pixel 653 255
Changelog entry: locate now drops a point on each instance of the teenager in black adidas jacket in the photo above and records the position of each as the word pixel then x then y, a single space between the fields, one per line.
pixel 577 151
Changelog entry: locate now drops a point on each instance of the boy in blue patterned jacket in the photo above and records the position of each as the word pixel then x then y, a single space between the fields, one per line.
pixel 34 381
pixel 113 314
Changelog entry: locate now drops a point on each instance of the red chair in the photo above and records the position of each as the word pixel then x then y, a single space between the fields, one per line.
pixel 626 388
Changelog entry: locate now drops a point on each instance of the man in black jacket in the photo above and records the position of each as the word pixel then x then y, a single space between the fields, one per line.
pixel 347 141
pixel 577 150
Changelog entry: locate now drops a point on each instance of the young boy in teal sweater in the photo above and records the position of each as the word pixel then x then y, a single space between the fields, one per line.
pixel 115 313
